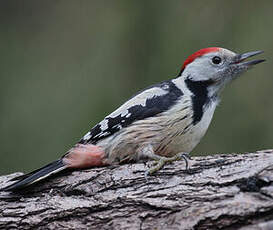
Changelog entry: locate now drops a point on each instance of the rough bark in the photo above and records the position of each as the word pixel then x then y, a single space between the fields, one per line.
pixel 232 191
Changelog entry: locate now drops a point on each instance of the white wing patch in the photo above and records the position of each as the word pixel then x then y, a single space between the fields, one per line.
pixel 139 99
pixel 123 110
pixel 87 136
pixel 104 125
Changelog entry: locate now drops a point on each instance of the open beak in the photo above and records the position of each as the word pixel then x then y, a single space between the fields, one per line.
pixel 239 58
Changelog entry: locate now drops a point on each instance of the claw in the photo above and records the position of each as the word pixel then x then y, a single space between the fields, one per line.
pixel 163 160
pixel 146 175
pixel 185 157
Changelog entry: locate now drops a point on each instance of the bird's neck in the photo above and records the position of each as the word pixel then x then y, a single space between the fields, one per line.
pixel 201 93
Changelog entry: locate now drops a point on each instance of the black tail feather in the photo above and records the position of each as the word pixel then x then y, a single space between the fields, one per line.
pixel 35 176
pixel 31 173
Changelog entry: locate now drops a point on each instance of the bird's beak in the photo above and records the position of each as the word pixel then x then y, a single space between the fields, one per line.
pixel 239 58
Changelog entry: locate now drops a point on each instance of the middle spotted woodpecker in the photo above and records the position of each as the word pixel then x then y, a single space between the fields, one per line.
pixel 163 122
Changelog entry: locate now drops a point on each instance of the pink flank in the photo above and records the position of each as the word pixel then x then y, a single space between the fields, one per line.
pixel 199 53
pixel 84 156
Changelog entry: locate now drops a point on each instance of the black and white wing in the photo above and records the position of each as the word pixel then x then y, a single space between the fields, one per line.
pixel 147 103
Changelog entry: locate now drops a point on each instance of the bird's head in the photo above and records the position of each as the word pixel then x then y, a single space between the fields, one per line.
pixel 215 66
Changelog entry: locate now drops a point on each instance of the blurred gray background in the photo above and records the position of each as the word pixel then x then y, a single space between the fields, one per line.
pixel 64 65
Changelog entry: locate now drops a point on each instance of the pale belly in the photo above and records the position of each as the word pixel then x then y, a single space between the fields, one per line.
pixel 187 141
pixel 167 140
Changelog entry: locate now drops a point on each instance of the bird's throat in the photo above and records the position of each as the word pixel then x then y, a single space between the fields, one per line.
pixel 200 97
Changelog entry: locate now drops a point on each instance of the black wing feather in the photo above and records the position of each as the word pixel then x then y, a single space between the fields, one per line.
pixel 153 106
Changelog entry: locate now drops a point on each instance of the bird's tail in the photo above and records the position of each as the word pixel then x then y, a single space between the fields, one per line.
pixel 80 156
pixel 35 176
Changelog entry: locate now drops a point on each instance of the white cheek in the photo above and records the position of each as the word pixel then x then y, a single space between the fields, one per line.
pixel 201 69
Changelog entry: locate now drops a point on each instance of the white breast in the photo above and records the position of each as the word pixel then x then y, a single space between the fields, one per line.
pixel 188 140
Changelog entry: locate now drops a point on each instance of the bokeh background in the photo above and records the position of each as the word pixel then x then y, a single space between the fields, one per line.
pixel 64 65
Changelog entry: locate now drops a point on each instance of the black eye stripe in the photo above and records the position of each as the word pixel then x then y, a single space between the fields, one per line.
pixel 216 60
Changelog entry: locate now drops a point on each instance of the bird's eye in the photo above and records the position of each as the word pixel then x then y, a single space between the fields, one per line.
pixel 216 60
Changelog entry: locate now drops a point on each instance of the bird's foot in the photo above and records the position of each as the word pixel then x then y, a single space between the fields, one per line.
pixel 161 161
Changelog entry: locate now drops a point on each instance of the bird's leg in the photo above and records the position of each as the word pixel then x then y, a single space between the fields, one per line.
pixel 164 160
pixel 161 161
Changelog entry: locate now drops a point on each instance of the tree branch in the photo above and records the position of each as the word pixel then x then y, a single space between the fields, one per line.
pixel 232 191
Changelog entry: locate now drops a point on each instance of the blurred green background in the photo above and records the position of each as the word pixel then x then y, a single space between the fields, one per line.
pixel 64 65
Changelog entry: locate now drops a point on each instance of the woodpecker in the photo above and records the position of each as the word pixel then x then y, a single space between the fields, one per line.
pixel 163 122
